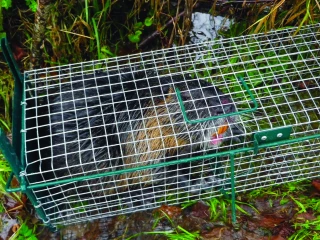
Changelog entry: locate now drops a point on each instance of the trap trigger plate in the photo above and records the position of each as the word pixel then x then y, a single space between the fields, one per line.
pixel 271 136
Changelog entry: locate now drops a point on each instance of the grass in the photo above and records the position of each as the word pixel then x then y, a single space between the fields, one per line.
pixel 25 233
pixel 303 216
pixel 86 30
pixel 6 93
pixel 266 16
pixel 307 230
pixel 4 171
pixel 178 232
pixel 220 208
pixel 296 191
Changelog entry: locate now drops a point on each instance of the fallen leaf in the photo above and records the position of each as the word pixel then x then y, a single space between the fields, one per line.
pixel 215 233
pixel 302 217
pixel 18 52
pixel 284 230
pixel 278 238
pixel 269 221
pixel 316 184
pixel 170 211
pixel 15 227
pixel 201 210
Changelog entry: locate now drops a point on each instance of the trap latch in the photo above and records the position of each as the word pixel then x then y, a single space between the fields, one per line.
pixel 268 137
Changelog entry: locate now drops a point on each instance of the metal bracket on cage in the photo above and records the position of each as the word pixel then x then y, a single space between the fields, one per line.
pixel 252 109
pixel 263 138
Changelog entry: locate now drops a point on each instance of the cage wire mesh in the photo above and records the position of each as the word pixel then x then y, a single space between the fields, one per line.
pixel 118 138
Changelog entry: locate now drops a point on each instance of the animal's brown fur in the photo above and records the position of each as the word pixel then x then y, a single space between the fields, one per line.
pixel 157 134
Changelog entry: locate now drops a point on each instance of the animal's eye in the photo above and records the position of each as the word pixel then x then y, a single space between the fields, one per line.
pixel 229 108
pixel 225 101
pixel 219 111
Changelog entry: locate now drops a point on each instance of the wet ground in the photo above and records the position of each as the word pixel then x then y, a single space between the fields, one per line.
pixel 269 216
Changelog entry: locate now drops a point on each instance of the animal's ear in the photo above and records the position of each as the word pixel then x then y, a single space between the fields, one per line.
pixel 166 89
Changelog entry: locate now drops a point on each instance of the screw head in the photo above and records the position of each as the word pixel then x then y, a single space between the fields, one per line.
pixel 263 138
pixel 279 135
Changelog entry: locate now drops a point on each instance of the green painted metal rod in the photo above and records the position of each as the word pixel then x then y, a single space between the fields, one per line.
pixel 184 113
pixel 219 154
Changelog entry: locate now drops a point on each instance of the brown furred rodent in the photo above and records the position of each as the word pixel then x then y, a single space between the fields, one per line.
pixel 104 122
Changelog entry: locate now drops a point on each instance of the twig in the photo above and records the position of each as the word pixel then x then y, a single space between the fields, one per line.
pixel 157 32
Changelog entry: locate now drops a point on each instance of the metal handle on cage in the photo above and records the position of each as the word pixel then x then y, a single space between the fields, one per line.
pixel 184 113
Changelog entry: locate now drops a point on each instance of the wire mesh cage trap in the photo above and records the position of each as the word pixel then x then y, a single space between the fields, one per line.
pixel 131 133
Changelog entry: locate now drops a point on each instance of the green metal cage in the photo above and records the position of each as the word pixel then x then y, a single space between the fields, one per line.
pixel 114 136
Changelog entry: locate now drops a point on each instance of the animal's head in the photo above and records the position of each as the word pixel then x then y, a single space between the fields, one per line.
pixel 203 100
